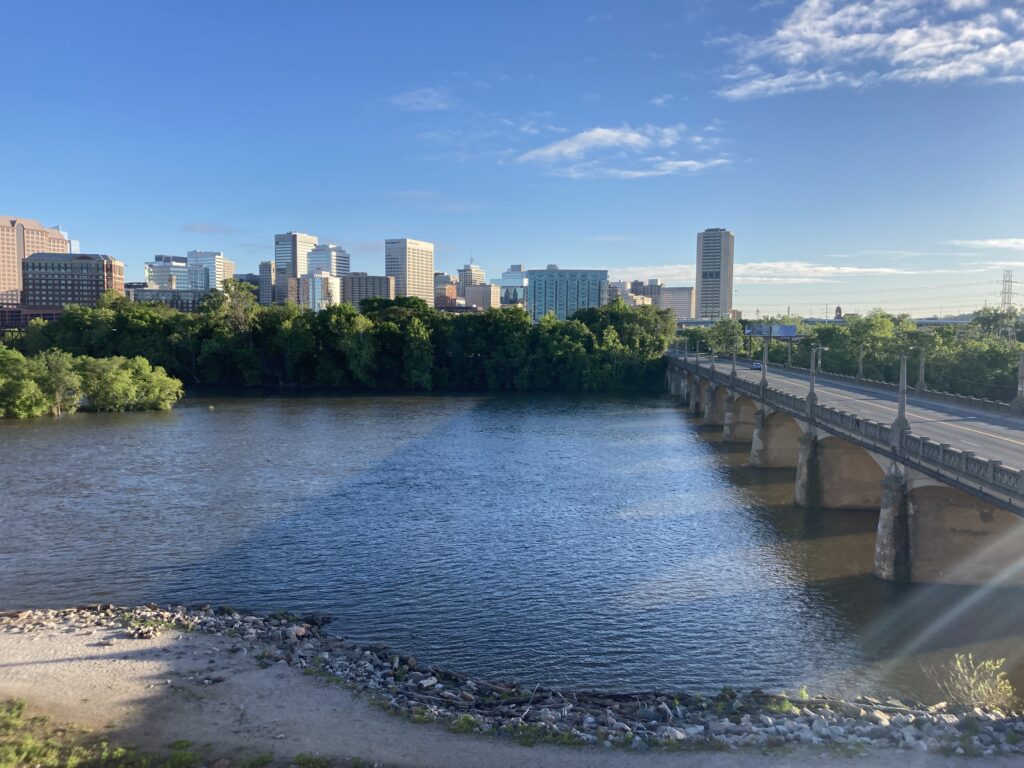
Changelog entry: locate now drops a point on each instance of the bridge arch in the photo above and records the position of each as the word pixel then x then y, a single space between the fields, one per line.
pixel 740 416
pixel 833 473
pixel 776 441
pixel 956 538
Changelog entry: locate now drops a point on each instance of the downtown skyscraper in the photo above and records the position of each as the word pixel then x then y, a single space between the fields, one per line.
pixel 411 263
pixel 291 252
pixel 714 273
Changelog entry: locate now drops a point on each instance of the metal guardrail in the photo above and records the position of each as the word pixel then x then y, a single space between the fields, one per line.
pixel 962 468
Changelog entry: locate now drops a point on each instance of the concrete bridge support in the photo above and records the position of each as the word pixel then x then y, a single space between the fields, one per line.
pixel 892 541
pixel 832 473
pixel 699 396
pixel 955 538
pixel 740 415
pixel 775 440
pixel 715 408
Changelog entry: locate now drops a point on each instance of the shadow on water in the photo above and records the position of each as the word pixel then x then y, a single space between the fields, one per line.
pixel 581 542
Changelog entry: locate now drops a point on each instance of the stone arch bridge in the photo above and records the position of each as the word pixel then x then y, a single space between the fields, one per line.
pixel 946 484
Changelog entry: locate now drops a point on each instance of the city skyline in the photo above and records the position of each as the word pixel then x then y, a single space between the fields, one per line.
pixel 602 144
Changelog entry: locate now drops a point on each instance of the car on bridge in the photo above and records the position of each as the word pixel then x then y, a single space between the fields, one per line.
pixel 755 366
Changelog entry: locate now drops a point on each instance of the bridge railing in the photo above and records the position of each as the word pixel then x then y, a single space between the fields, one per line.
pixel 989 475
pixel 966 401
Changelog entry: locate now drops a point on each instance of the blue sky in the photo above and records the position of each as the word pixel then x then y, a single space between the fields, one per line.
pixel 863 153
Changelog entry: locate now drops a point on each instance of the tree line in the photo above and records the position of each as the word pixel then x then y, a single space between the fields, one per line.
pixel 57 382
pixel 390 345
pixel 979 358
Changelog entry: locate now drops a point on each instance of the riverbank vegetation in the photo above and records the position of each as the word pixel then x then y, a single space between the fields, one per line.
pixel 391 345
pixel 979 358
pixel 57 382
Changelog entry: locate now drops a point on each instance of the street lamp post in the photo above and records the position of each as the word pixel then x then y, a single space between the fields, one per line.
pixel 764 360
pixel 734 362
pixel 901 426
pixel 920 375
pixel 860 363
pixel 812 397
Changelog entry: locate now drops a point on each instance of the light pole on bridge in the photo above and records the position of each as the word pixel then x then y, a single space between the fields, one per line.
pixel 920 375
pixel 812 398
pixel 765 342
pixel 901 427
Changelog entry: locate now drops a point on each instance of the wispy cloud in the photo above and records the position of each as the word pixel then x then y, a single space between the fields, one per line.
pixel 1009 243
pixel 207 228
pixel 778 272
pixel 437 201
pixel 621 153
pixel 575 147
pixel 662 100
pixel 423 100
pixel 853 43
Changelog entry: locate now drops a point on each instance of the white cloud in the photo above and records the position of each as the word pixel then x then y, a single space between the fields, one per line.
pixel 662 100
pixel 620 153
pixel 647 167
pixel 422 100
pixel 776 272
pixel 577 146
pixel 854 43
pixel 1009 243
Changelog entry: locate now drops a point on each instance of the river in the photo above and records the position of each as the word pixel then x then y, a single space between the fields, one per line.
pixel 583 542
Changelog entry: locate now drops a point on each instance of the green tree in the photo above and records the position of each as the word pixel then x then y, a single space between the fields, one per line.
pixel 20 396
pixel 54 372
pixel 726 336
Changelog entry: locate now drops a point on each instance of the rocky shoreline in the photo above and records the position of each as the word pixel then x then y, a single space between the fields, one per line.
pixel 638 721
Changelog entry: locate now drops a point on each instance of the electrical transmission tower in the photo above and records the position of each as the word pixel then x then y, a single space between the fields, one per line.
pixel 1006 305
pixel 1007 295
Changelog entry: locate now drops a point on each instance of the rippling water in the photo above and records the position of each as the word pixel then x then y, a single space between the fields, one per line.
pixel 581 542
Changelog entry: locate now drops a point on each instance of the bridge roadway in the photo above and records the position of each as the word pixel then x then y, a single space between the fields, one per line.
pixel 988 435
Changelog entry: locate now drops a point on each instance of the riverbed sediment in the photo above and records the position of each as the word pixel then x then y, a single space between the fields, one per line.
pixel 639 721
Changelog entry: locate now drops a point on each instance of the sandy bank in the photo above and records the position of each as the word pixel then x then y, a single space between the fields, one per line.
pixel 180 685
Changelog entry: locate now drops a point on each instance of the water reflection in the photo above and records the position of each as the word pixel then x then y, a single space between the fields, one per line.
pixel 583 542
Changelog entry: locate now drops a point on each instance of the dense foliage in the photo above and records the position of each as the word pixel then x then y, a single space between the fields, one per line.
pixel 979 358
pixel 57 382
pixel 392 345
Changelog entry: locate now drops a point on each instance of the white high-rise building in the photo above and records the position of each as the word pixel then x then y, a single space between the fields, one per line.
pixel 329 258
pixel 411 263
pixel 714 273
pixel 678 299
pixel 220 268
pixel 469 275
pixel 291 251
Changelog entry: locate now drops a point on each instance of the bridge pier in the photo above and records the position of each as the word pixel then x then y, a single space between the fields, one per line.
pixel 892 540
pixel 774 440
pixel 807 492
pixel 716 406
pixel 740 416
